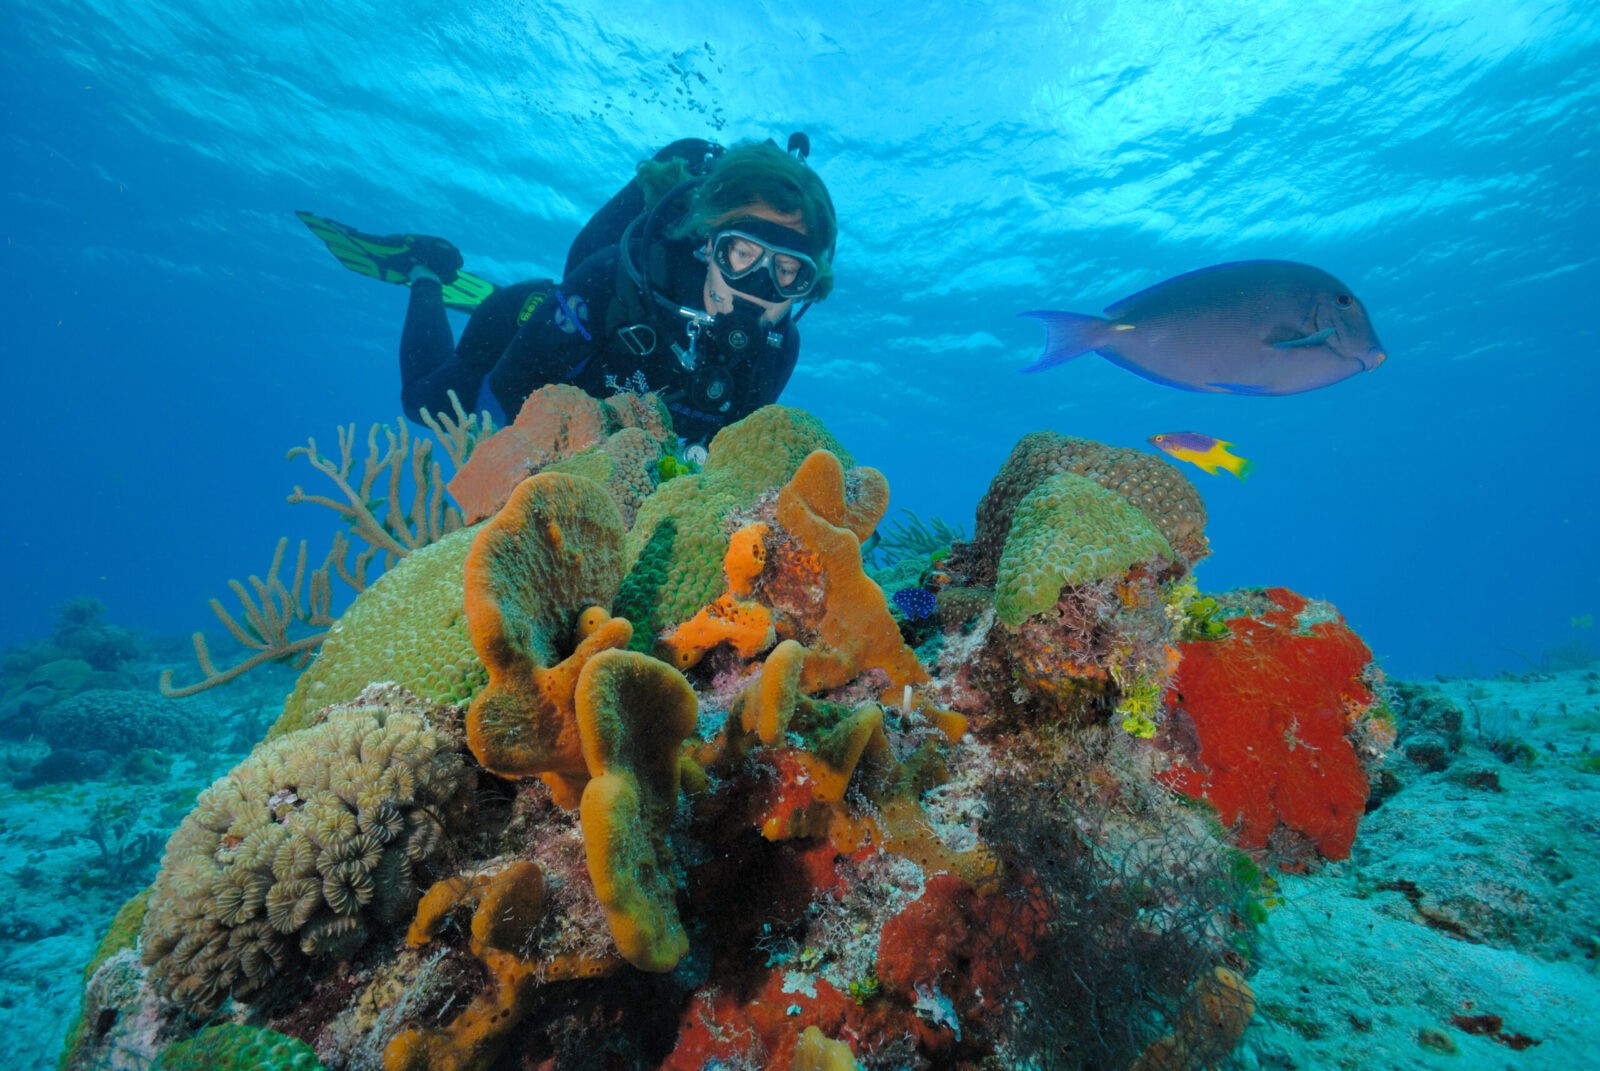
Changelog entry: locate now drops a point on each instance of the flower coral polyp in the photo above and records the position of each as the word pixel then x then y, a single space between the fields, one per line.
pixel 1269 706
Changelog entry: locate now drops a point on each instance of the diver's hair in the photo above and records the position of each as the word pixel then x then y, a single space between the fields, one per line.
pixel 752 172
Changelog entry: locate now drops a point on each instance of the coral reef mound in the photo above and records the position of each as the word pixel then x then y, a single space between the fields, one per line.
pixel 676 546
pixel 236 1047
pixel 120 721
pixel 1067 531
pixel 1152 485
pixel 714 803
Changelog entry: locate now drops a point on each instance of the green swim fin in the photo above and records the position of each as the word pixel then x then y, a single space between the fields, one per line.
pixel 388 257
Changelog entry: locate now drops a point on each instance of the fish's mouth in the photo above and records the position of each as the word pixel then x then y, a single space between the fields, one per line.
pixel 1373 359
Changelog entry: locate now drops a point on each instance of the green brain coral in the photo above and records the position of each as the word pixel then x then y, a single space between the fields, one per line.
pixel 1067 531
pixel 409 627
pixel 746 460
pixel 235 1047
pixel 313 837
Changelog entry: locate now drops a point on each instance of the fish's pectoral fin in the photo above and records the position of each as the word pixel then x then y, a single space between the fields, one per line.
pixel 1309 340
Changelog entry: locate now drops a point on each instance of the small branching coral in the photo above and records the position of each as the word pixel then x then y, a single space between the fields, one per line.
pixel 274 611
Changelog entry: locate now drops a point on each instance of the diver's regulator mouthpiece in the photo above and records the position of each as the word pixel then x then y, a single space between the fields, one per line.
pixel 725 337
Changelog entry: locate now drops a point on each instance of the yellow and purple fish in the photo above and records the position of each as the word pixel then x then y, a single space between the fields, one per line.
pixel 1202 450
pixel 1250 327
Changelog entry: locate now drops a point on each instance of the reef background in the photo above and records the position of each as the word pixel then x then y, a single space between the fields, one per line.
pixel 172 329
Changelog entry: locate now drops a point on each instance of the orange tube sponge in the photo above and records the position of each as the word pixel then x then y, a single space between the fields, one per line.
pixel 509 910
pixel 813 794
pixel 744 625
pixel 734 618
pixel 507 907
pixel 746 557
pixel 633 715
pixel 552 553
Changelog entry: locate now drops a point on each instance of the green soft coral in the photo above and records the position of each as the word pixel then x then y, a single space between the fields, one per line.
pixel 1194 616
pixel 1139 700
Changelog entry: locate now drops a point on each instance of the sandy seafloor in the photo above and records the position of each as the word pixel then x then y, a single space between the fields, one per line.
pixel 1473 889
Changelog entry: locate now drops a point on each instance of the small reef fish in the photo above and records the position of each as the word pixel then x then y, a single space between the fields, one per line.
pixel 1583 621
pixel 1250 327
pixel 916 603
pixel 1202 450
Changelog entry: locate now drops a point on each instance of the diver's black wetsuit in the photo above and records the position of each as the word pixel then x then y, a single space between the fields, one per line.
pixel 533 333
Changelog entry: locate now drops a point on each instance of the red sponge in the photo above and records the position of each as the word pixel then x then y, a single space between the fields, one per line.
pixel 1270 705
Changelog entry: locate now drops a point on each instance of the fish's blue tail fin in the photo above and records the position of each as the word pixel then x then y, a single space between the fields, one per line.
pixel 1071 334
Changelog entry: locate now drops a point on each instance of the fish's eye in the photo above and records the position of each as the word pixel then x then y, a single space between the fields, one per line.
pixel 1345 300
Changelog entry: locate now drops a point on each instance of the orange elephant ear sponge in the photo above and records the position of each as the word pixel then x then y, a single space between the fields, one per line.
pixel 634 712
pixel 856 631
pixel 553 553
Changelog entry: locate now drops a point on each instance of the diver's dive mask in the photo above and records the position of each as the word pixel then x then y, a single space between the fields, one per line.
pixel 762 258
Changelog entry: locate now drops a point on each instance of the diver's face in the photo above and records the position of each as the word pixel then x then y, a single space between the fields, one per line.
pixel 719 291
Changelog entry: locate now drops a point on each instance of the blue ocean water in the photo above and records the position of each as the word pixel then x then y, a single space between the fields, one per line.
pixel 173 329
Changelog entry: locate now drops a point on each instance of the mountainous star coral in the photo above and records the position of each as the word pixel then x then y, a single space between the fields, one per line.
pixel 409 627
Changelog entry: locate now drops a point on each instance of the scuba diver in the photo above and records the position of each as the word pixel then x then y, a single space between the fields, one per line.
pixel 688 282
